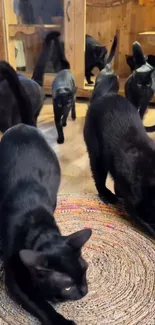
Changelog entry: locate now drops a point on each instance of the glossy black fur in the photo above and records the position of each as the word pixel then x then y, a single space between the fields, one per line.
pixel 15 105
pixel 107 81
pixel 21 96
pixel 34 86
pixel 139 87
pixel 117 143
pixel 40 264
pixel 95 55
pixel 57 60
pixel 132 64
pixel 64 96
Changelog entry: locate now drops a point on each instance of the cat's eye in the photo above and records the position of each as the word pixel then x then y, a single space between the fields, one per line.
pixel 68 289
pixel 139 85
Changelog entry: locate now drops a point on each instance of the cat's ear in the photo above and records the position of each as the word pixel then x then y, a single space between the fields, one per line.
pixel 79 238
pixel 31 258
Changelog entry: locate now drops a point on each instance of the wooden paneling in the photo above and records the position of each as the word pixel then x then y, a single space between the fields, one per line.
pixel 74 26
pixel 127 20
pixel 2 34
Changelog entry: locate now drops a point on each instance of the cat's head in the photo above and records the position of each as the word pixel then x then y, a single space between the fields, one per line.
pixel 65 98
pixel 143 83
pixel 132 63
pixel 59 271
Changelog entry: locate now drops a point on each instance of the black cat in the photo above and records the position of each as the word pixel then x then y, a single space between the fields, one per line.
pixel 19 95
pixel 132 64
pixel 140 86
pixel 15 105
pixel 64 96
pixel 95 55
pixel 117 143
pixel 55 64
pixel 34 86
pixel 107 81
pixel 40 264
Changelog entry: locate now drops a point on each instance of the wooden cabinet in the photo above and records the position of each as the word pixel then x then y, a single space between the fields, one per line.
pixel 24 29
pixel 25 26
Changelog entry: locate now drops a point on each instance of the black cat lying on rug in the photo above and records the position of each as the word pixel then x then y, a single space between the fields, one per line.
pixel 18 93
pixel 117 143
pixel 64 96
pixel 140 86
pixel 40 264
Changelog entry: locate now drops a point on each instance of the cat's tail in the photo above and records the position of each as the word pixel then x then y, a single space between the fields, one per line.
pixel 150 128
pixel 8 73
pixel 61 53
pixel 113 50
pixel 39 69
pixel 138 54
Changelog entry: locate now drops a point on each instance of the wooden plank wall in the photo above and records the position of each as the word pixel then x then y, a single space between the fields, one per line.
pixel 127 20
pixel 2 39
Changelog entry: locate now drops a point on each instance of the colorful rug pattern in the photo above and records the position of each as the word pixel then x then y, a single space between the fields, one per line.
pixel 121 272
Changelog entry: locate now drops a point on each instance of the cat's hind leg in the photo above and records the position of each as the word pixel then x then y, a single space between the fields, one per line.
pixel 99 169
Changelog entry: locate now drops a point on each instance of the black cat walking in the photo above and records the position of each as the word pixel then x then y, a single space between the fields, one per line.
pixel 64 96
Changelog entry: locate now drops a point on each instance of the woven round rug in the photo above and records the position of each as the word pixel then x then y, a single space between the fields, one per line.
pixel 121 274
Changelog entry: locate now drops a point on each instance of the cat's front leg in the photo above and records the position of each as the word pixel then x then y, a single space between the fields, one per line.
pixel 73 112
pixel 29 298
pixel 64 119
pixel 58 124
pixel 88 78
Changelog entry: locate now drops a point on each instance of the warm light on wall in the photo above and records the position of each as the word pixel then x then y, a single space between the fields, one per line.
pixel 106 3
pixel 147 2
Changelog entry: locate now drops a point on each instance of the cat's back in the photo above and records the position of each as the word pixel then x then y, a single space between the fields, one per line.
pixel 115 115
pixel 91 41
pixel 26 155
pixel 63 79
pixel 34 91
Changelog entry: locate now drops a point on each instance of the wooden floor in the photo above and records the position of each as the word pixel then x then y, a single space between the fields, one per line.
pixel 76 176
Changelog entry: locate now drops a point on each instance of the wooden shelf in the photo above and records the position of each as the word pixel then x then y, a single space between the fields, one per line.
pixel 29 29
pixel 149 33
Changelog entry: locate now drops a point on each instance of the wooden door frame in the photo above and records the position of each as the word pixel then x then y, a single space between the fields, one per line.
pixel 3 51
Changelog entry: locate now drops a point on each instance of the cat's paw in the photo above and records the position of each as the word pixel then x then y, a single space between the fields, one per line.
pixel 74 117
pixel 90 83
pixel 110 198
pixel 60 140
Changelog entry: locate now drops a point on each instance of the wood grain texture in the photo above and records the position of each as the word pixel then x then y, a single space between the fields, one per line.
pixel 127 20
